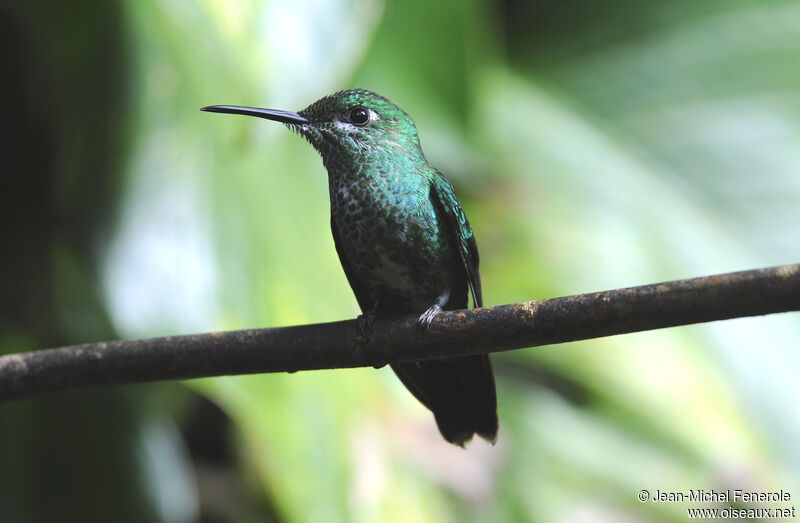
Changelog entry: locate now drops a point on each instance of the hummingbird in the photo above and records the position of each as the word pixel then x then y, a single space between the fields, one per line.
pixel 403 240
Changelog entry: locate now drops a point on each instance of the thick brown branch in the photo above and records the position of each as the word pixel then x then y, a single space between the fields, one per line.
pixel 453 333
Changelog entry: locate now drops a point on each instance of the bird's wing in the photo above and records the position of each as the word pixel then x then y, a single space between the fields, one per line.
pixel 460 232
pixel 365 301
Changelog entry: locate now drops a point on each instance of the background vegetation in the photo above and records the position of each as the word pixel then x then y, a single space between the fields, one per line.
pixel 593 145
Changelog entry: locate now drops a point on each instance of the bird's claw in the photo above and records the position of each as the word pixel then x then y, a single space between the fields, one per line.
pixel 364 325
pixel 424 321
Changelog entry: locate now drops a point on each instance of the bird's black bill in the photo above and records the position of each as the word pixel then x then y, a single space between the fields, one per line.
pixel 269 114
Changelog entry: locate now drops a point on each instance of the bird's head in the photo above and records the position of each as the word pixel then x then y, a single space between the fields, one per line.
pixel 351 123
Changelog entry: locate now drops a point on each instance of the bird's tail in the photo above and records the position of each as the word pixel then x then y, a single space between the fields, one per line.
pixel 460 392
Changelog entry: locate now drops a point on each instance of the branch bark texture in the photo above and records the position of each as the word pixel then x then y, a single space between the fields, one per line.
pixel 453 333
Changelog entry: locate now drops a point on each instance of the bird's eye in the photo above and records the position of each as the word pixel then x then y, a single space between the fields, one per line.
pixel 358 115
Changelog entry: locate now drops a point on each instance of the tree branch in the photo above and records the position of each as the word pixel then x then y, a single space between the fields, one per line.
pixel 453 333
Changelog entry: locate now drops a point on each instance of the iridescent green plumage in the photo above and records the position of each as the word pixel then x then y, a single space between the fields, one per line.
pixel 403 240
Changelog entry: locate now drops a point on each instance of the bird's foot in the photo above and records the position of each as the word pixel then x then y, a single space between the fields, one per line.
pixel 364 325
pixel 424 321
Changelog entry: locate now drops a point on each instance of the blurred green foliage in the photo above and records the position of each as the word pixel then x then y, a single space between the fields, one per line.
pixel 593 146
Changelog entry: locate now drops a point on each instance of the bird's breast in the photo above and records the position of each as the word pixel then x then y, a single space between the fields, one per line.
pixel 393 240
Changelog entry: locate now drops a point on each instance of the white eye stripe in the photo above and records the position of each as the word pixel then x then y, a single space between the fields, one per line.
pixel 345 125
